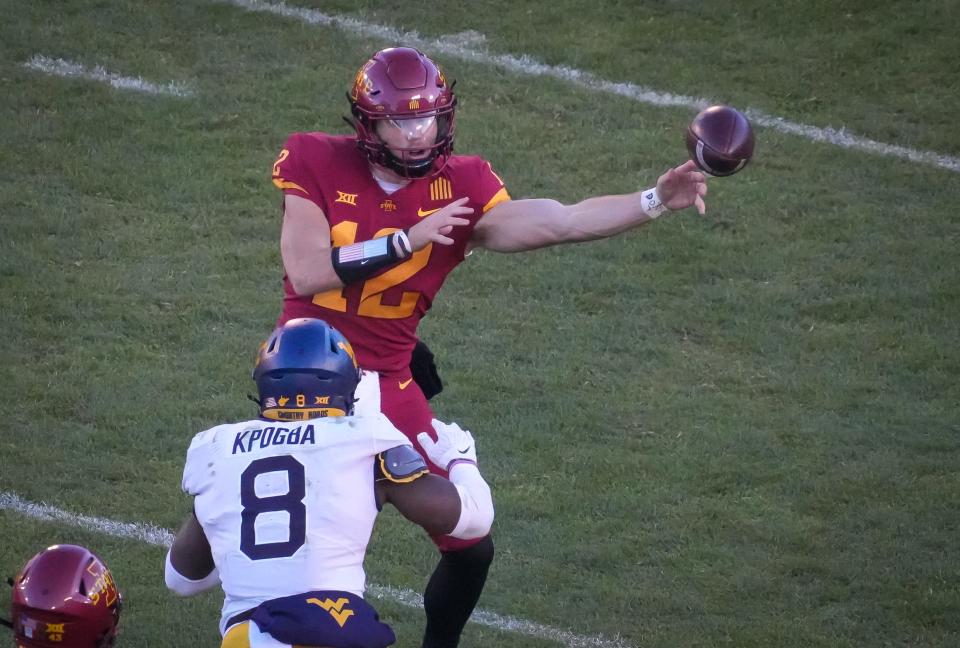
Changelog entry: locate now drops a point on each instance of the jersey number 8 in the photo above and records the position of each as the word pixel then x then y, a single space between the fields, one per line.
pixel 291 502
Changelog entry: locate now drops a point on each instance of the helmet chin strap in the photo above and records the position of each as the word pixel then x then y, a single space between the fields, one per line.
pixel 407 170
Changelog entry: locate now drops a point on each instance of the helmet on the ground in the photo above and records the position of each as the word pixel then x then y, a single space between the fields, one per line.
pixel 65 597
pixel 402 85
pixel 306 369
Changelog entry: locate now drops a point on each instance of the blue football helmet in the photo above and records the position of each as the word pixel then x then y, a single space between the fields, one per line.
pixel 305 370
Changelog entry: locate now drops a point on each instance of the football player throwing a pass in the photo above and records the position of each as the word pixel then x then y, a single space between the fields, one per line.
pixel 284 505
pixel 373 224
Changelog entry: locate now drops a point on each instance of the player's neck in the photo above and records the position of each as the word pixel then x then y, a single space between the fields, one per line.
pixel 386 176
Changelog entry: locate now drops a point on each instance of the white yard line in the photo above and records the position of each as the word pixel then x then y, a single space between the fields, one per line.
pixel 62 68
pixel 154 535
pixel 143 532
pixel 470 47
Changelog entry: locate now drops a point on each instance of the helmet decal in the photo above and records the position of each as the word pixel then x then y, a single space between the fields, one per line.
pixel 65 596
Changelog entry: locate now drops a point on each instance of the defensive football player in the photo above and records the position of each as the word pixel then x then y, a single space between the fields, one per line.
pixel 65 597
pixel 284 505
pixel 373 224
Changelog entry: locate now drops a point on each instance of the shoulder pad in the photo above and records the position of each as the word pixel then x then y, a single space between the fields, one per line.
pixel 198 471
pixel 399 464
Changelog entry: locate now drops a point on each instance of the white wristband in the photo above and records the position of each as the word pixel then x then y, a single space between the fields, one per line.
pixel 650 203
pixel 183 586
pixel 401 245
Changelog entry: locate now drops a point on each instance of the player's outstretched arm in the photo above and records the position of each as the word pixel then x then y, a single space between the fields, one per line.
pixel 519 225
pixel 189 565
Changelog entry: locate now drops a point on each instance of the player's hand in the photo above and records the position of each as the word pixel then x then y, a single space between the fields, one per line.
pixel 435 227
pixel 683 186
pixel 453 442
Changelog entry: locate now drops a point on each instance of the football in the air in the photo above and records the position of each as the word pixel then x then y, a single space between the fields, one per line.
pixel 720 140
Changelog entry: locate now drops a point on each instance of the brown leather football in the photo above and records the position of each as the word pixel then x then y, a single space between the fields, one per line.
pixel 720 140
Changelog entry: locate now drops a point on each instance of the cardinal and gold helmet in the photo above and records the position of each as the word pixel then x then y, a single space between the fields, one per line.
pixel 65 597
pixel 403 87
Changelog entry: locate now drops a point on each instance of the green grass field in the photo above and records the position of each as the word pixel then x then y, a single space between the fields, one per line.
pixel 742 430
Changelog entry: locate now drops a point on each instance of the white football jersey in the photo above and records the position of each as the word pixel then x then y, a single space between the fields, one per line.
pixel 288 507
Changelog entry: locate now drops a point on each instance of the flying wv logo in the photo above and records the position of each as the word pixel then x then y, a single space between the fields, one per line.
pixel 336 609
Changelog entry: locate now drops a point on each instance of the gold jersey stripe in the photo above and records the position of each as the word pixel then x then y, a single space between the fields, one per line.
pixel 283 184
pixel 499 197
pixel 441 189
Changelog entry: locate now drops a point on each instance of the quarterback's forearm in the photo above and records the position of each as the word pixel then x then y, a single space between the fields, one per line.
pixel 521 225
pixel 316 262
pixel 349 264
pixel 602 217
pixel 305 247
pixel 311 273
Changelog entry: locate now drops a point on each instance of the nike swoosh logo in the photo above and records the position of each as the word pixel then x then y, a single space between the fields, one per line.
pixel 404 383
pixel 465 450
pixel 421 213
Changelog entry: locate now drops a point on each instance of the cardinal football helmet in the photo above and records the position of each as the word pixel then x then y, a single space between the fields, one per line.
pixel 65 597
pixel 402 85
pixel 306 369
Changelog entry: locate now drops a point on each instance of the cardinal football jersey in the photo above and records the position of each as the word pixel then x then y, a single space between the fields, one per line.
pixel 287 507
pixel 380 315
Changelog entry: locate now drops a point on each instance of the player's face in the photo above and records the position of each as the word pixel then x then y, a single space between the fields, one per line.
pixel 408 139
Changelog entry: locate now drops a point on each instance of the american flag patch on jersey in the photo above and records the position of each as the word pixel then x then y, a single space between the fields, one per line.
pixel 372 249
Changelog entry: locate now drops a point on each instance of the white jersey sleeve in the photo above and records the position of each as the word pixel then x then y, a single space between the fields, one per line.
pixel 385 433
pixel 199 470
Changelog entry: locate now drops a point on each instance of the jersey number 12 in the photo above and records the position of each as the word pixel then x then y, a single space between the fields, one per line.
pixel 371 299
